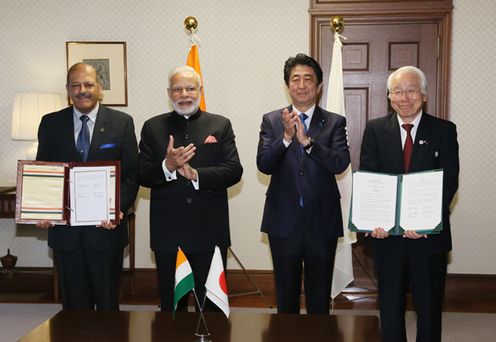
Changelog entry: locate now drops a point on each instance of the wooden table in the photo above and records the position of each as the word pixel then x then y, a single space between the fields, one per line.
pixel 157 326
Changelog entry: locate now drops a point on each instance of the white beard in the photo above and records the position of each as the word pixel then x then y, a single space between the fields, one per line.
pixel 188 111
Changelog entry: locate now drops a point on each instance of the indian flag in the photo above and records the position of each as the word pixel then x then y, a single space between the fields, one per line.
pixel 184 281
pixel 194 62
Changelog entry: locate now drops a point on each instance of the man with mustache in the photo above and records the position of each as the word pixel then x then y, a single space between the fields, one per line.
pixel 188 158
pixel 89 258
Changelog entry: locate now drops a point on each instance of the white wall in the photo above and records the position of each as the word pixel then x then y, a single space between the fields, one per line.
pixel 244 46
pixel 473 75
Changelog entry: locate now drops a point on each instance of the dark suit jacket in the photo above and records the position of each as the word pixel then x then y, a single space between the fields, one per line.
pixel 180 216
pixel 382 151
pixel 56 143
pixel 313 175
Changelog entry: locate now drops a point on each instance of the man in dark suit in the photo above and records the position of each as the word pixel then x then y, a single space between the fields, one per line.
pixel 188 158
pixel 89 258
pixel 302 214
pixel 413 260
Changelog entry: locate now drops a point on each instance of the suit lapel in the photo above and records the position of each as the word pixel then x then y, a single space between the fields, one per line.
pixel 67 130
pixel 99 132
pixel 392 144
pixel 316 124
pixel 423 136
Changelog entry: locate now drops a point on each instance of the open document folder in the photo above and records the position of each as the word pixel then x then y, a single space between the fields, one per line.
pixel 397 203
pixel 76 194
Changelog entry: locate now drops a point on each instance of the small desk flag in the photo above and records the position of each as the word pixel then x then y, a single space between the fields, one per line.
pixel 184 281
pixel 216 283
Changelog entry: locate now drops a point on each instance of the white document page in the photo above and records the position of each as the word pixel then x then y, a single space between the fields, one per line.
pixel 421 201
pixel 42 192
pixel 374 201
pixel 89 195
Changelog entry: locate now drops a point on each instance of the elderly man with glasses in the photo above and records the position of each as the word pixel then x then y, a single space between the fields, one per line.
pixel 414 260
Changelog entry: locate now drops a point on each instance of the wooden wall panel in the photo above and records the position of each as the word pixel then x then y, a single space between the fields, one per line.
pixel 403 54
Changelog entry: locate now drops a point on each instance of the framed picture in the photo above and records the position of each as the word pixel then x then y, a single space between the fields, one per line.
pixel 109 60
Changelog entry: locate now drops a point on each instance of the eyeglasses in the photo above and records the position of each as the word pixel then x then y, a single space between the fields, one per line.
pixel 180 90
pixel 410 93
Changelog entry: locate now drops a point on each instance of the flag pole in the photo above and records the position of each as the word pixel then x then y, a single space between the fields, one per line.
pixel 191 24
pixel 343 268
pixel 257 290
pixel 343 264
pixel 337 24
pixel 193 59
pixel 202 337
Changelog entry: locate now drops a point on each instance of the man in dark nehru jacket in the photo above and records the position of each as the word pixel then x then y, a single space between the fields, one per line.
pixel 188 158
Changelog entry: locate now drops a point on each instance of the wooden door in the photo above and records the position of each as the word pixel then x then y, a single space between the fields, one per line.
pixel 370 54
pixel 381 37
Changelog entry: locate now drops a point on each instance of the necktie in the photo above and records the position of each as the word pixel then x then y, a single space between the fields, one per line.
pixel 303 117
pixel 408 148
pixel 83 139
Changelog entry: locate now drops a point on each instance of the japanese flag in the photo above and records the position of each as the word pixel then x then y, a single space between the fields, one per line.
pixel 216 283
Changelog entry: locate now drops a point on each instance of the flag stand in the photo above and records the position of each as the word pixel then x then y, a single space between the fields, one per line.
pixel 257 291
pixel 365 290
pixel 201 337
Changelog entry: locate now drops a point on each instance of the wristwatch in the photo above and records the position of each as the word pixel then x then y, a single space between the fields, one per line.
pixel 309 145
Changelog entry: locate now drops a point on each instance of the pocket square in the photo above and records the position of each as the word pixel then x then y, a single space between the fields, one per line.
pixel 210 140
pixel 105 146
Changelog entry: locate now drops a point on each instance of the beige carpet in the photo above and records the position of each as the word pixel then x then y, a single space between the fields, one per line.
pixel 16 320
pixel 461 327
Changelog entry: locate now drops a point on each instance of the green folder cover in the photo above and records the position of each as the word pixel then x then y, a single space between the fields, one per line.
pixel 397 203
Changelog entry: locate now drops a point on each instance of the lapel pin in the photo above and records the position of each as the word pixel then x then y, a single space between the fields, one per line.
pixel 436 154
pixel 102 130
pixel 321 123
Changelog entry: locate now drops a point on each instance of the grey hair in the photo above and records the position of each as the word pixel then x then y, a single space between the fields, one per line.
pixel 412 70
pixel 185 69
